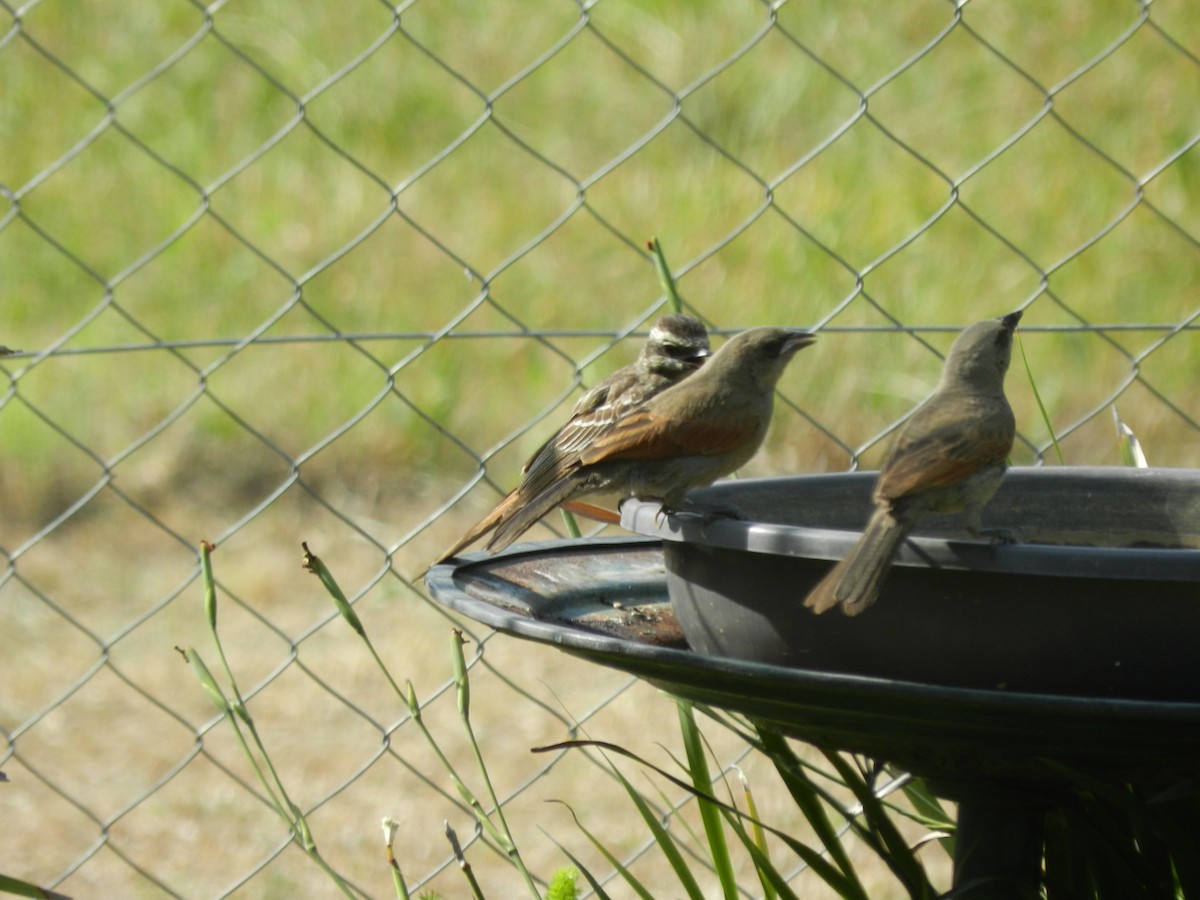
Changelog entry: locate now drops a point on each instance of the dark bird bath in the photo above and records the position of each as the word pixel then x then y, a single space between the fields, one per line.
pixel 1101 597
pixel 992 671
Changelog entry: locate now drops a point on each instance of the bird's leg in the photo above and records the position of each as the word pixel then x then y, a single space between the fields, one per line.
pixel 996 535
pixel 663 510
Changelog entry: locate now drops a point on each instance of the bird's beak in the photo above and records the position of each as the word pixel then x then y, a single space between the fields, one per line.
pixel 1010 321
pixel 697 359
pixel 798 340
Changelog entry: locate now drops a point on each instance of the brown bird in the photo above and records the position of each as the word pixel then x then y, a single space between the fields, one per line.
pixel 675 348
pixel 949 457
pixel 691 434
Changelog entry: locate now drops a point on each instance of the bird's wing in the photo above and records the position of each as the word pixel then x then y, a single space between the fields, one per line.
pixel 561 452
pixel 643 434
pixel 583 429
pixel 595 411
pixel 612 386
pixel 942 456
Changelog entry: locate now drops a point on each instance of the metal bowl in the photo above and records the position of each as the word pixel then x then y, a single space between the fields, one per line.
pixel 1100 598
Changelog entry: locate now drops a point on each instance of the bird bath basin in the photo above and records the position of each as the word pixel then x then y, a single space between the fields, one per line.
pixel 997 739
pixel 1101 598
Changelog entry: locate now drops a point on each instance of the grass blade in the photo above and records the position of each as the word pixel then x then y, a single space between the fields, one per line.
pixel 772 881
pixel 465 793
pixel 894 852
pixel 19 888
pixel 637 887
pixel 583 870
pixel 1040 404
pixel 1130 447
pixel 710 815
pixel 928 811
pixel 266 773
pixel 462 682
pixel 662 837
pixel 570 524
pixel 757 833
pixel 847 887
pixel 665 278
pixel 808 798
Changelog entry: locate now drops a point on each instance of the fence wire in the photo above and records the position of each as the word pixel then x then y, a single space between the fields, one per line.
pixel 329 273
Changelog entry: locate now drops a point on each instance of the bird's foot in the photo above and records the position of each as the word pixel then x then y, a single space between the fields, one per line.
pixel 688 509
pixel 709 512
pixel 1000 535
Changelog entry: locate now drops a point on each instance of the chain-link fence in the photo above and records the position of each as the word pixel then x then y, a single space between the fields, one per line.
pixel 330 271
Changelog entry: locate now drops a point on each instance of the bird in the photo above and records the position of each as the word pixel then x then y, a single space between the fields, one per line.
pixel 687 436
pixel 675 348
pixel 949 457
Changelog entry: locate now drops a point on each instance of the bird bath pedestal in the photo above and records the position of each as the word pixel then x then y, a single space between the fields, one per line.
pixel 993 672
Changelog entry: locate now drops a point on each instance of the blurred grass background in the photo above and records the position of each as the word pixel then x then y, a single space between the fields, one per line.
pixel 284 272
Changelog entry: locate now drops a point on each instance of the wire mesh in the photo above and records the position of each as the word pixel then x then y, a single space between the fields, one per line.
pixel 330 274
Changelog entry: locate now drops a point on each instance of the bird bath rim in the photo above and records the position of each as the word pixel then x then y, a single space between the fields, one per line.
pixel 938 542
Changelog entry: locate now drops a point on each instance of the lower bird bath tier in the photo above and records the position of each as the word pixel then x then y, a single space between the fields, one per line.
pixel 1098 599
pixel 606 600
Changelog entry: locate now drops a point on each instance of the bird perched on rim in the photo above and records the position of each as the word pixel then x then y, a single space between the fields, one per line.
pixel 949 457
pixel 675 348
pixel 688 436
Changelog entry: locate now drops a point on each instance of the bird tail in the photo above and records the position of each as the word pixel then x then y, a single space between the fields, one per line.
pixel 522 518
pixel 855 581
pixel 503 511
